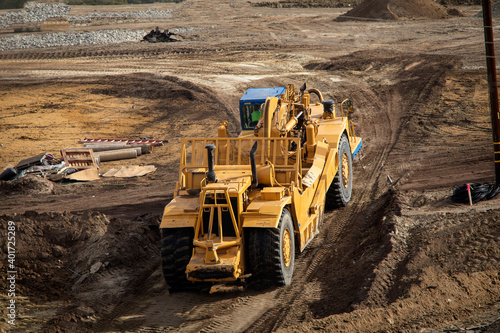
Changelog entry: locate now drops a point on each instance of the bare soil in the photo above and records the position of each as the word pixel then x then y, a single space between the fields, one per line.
pixel 401 257
pixel 397 10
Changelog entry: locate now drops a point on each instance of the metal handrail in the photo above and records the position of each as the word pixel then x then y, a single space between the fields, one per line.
pixel 212 207
pixel 268 150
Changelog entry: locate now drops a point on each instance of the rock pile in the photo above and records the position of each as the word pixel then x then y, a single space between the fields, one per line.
pixel 69 38
pixel 34 12
pixel 40 12
pixel 138 14
pixel 495 11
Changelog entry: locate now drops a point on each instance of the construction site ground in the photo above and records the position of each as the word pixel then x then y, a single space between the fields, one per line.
pixel 401 257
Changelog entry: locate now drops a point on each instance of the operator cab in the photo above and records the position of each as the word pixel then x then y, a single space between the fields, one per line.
pixel 252 102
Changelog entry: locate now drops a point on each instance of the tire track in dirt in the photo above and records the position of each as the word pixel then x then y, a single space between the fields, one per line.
pixel 194 312
pixel 289 298
pixel 242 314
pixel 121 51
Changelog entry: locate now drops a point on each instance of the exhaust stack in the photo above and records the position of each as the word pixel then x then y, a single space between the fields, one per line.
pixel 211 177
pixel 255 181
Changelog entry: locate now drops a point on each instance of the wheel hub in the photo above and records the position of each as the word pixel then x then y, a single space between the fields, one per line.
pixel 287 247
pixel 345 169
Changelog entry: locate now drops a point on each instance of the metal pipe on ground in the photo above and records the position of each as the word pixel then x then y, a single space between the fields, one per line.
pixel 117 154
pixel 145 148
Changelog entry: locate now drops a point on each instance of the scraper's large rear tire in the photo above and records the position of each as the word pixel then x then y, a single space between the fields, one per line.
pixel 339 193
pixel 272 252
pixel 176 251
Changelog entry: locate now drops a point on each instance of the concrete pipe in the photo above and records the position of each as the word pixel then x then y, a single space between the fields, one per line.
pixel 117 154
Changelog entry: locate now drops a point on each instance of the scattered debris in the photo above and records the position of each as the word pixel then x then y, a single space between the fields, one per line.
pixel 37 164
pixel 44 168
pixel 130 171
pixel 155 36
pixel 82 163
pixel 79 158
pixel 8 173
pixel 84 175
pixel 41 159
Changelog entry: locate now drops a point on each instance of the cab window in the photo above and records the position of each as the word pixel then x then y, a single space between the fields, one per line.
pixel 250 115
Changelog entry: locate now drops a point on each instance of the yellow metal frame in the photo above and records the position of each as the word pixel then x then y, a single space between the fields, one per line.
pixel 212 252
pixel 233 155
pixel 208 243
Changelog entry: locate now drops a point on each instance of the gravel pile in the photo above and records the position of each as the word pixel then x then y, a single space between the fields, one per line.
pixel 68 38
pixel 34 12
pixel 495 11
pixel 138 14
pixel 39 12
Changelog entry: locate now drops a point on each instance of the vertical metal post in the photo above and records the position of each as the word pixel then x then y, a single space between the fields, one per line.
pixel 492 83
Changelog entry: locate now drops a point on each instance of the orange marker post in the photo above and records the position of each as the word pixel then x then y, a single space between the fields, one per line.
pixel 470 196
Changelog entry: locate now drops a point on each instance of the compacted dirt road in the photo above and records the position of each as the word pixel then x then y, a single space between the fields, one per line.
pixel 402 257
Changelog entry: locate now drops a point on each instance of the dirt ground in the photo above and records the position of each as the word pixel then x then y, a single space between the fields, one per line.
pixel 401 257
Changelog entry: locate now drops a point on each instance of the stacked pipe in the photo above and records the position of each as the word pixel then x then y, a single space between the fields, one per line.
pixel 105 152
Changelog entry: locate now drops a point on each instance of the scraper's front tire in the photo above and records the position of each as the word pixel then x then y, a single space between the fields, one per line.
pixel 272 252
pixel 176 251
pixel 340 191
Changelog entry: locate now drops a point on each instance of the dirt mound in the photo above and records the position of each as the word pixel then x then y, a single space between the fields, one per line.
pixel 460 2
pixel 85 260
pixel 26 186
pixel 397 10
pixel 307 3
pixel 346 3
pixel 441 263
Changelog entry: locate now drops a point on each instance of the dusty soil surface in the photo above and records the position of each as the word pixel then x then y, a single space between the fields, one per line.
pixel 397 10
pixel 401 257
pixel 308 3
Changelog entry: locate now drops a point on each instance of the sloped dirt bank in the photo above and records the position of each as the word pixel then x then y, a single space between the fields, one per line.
pixel 84 262
pixel 438 270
